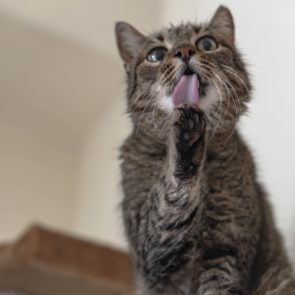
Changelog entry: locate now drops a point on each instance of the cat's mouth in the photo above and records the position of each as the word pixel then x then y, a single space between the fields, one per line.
pixel 188 89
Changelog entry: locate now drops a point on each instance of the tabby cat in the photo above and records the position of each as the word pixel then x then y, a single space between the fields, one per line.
pixel 197 220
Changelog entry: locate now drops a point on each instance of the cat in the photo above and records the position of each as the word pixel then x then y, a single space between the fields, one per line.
pixel 196 218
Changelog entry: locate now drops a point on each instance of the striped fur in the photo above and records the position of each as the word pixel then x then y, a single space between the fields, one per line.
pixel 196 218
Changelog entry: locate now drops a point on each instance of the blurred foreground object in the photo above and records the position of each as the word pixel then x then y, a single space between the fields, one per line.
pixel 43 262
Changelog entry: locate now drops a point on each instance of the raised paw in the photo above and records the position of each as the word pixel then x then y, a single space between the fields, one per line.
pixel 188 127
pixel 188 139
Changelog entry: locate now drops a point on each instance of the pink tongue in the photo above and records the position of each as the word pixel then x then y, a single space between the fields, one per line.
pixel 186 91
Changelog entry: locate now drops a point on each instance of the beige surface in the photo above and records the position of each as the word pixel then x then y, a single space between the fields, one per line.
pixel 44 262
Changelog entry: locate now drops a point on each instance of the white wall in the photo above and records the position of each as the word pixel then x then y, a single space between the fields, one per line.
pixel 37 177
pixel 98 213
pixel 99 194
pixel 89 22
pixel 61 105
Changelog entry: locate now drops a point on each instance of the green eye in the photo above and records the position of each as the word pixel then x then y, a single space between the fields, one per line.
pixel 207 44
pixel 156 54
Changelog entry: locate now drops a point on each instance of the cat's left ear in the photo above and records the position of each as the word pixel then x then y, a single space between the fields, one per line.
pixel 129 41
pixel 223 22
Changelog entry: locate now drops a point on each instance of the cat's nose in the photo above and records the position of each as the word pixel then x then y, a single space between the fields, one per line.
pixel 184 53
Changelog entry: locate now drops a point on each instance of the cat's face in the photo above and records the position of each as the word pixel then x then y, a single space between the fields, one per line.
pixel 197 65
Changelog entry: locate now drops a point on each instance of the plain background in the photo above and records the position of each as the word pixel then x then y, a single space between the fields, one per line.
pixel 62 107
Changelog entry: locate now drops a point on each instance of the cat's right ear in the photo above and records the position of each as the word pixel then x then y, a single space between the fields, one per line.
pixel 129 41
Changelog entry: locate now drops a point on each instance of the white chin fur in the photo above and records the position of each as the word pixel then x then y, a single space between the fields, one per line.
pixel 206 102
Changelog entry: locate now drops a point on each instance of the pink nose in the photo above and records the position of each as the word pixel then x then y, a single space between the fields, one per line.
pixel 184 53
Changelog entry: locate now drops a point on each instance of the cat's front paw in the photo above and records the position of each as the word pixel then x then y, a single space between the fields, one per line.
pixel 188 136
pixel 188 126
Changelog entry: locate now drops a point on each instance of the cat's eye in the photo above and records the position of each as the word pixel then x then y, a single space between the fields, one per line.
pixel 206 44
pixel 156 54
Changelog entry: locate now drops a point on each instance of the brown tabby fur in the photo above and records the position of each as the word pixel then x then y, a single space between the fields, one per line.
pixel 197 220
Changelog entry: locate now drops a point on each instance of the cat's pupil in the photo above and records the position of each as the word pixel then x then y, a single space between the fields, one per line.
pixel 156 54
pixel 207 44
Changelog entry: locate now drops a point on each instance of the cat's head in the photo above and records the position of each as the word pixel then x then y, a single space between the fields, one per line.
pixel 194 64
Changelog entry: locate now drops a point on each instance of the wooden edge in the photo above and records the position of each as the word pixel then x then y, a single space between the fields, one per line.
pixel 69 256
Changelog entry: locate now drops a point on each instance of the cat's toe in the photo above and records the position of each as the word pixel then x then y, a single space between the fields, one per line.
pixel 189 124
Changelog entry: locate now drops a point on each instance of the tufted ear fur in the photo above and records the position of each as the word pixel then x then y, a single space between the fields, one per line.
pixel 223 22
pixel 129 41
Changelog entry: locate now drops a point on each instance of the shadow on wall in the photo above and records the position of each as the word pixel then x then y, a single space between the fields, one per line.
pixel 55 83
pixel 60 114
pixel 52 90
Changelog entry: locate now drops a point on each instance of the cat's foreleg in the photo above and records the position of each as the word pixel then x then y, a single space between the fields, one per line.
pixel 187 145
pixel 167 247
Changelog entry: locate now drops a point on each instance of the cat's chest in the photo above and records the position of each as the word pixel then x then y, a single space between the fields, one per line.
pixel 153 165
pixel 220 173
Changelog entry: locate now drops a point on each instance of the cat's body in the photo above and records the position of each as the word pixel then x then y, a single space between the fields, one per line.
pixel 196 218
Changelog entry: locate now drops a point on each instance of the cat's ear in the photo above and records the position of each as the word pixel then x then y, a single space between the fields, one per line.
pixel 223 21
pixel 129 41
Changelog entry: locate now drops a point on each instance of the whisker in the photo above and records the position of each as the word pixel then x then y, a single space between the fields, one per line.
pixel 139 98
pixel 235 99
pixel 220 76
pixel 153 111
pixel 230 70
pixel 219 109
pixel 142 113
pixel 231 92
pixel 220 106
